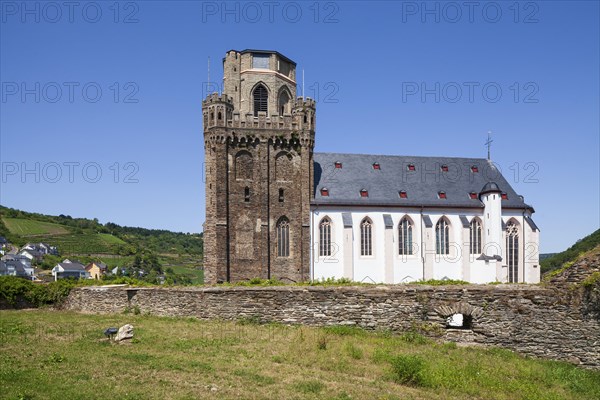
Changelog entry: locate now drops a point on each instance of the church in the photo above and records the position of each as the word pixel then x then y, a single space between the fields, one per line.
pixel 275 209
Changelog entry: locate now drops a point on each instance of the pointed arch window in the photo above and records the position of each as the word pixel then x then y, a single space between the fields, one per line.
pixel 442 237
pixel 366 237
pixel 512 251
pixel 283 238
pixel 325 237
pixel 405 231
pixel 284 99
pixel 261 100
pixel 475 237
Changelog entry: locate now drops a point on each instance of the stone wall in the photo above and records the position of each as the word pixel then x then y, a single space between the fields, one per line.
pixel 552 322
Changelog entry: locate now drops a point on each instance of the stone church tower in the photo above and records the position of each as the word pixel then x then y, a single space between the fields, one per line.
pixel 258 149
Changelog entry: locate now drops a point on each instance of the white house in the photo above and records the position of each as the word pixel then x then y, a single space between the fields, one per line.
pixel 16 268
pixel 69 269
pixel 42 248
pixel 18 257
pixel 397 219
pixel 32 255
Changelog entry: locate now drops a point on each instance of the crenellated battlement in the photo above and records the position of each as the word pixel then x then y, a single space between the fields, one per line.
pixel 249 121
pixel 302 102
pixel 216 98
pixel 250 138
pixel 217 114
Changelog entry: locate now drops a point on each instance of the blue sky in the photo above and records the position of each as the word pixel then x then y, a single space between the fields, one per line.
pixel 101 104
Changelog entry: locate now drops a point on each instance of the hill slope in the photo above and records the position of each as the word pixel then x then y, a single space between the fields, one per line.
pixel 562 259
pixel 87 239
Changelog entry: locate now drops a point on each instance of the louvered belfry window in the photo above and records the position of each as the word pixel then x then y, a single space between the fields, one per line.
pixel 261 100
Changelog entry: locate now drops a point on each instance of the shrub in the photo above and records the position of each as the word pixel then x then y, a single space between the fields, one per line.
pixel 13 288
pixel 333 282
pixel 591 280
pixel 408 370
pixel 437 282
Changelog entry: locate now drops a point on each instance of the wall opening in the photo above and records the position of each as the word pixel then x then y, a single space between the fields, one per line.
pixel 459 321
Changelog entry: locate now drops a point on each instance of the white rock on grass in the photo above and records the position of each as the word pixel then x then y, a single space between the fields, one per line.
pixel 125 332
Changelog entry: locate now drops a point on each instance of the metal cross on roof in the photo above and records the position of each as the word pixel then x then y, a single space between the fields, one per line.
pixel 488 143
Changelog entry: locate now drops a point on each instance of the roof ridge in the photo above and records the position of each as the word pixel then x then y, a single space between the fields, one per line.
pixel 400 156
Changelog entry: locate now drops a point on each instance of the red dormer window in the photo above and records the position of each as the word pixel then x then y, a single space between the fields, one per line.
pixel 364 193
pixel 442 195
pixel 403 194
pixel 411 167
pixel 376 166
pixel 444 168
pixel 474 168
pixel 338 164
pixel 504 196
pixel 325 192
pixel 473 195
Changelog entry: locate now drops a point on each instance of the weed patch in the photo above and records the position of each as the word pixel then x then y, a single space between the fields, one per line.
pixel 408 370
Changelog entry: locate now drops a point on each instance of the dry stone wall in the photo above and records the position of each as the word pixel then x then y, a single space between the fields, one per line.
pixel 550 322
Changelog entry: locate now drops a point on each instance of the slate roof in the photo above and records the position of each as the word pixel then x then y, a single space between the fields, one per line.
pixel 18 257
pixel 34 253
pixel 72 266
pixel 18 267
pixel 421 185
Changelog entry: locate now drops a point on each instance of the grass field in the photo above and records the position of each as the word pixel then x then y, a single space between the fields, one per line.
pixel 196 275
pixel 68 242
pixel 61 355
pixel 110 239
pixel 27 227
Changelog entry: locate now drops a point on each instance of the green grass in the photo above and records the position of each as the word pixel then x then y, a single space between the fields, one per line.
pixel 85 243
pixel 195 274
pixel 67 240
pixel 184 358
pixel 28 227
pixel 110 239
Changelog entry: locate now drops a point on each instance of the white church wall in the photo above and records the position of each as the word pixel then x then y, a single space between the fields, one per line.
pixel 369 268
pixel 482 272
pixel 407 268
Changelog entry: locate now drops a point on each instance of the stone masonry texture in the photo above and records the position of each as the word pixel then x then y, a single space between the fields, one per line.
pixel 558 321
pixel 259 173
